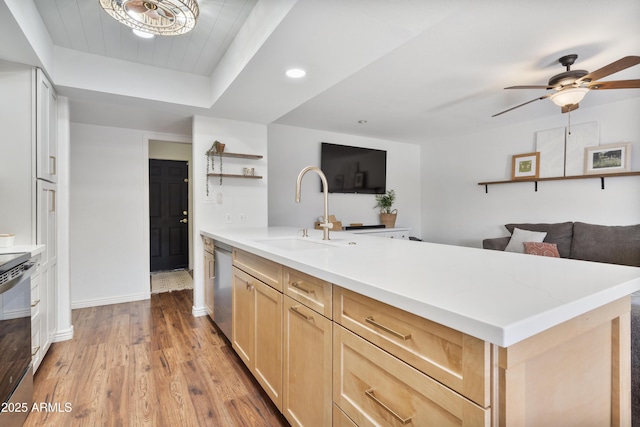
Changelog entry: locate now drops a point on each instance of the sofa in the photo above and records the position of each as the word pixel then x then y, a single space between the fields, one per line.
pixel 598 243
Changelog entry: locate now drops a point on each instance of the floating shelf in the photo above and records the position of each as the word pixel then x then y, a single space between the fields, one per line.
pixel 229 175
pixel 559 178
pixel 236 155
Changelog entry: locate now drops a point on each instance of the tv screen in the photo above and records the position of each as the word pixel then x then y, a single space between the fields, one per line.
pixel 354 169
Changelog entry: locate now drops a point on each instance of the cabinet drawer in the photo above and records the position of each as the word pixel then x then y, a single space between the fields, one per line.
pixel 263 269
pixel 36 353
pixel 207 244
pixel 309 290
pixel 35 296
pixel 374 388
pixel 457 360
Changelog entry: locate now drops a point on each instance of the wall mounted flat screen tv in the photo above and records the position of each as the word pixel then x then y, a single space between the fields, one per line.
pixel 354 169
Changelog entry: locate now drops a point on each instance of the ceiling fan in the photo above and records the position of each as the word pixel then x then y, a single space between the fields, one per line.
pixel 571 86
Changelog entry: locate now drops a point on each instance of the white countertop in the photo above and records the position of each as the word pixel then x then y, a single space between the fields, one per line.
pixel 32 249
pixel 499 297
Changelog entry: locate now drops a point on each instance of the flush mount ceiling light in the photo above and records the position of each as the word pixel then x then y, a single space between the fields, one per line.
pixel 161 17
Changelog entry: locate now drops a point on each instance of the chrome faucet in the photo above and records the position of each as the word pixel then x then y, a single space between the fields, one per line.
pixel 326 225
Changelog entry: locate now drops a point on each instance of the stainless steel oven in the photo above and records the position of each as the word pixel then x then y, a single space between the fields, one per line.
pixel 16 375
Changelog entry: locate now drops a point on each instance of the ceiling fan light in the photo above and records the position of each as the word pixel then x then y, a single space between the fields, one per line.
pixel 569 96
pixel 160 17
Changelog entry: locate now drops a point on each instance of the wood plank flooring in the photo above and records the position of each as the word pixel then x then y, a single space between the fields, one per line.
pixel 148 363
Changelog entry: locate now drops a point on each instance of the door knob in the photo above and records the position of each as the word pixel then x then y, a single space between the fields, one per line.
pixel 184 212
pixel 184 220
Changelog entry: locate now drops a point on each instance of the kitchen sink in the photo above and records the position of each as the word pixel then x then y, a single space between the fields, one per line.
pixel 300 243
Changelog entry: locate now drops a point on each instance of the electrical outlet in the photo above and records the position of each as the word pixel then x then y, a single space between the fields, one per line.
pixel 228 218
pixel 242 217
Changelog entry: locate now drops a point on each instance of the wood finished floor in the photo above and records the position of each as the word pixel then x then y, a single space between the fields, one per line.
pixel 148 363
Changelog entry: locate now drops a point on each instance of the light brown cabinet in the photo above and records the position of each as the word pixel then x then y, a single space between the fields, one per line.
pixel 257 329
pixel 209 275
pixel 459 361
pixel 330 356
pixel 307 366
pixel 374 388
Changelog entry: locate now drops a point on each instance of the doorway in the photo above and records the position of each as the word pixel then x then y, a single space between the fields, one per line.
pixel 168 214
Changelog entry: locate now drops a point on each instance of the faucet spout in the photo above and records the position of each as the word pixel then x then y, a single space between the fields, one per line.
pixel 326 225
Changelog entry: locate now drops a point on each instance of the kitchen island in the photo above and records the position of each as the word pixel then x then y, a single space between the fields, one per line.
pixel 527 340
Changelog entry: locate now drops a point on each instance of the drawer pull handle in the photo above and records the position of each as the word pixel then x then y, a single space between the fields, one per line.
pixel 295 310
pixel 35 302
pixel 300 288
pixel 34 350
pixel 373 397
pixel 388 329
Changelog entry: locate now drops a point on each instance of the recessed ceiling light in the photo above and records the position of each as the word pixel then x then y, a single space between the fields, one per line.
pixel 296 73
pixel 142 34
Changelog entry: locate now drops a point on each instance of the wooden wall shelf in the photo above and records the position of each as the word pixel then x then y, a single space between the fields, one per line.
pixel 236 155
pixel 559 178
pixel 230 175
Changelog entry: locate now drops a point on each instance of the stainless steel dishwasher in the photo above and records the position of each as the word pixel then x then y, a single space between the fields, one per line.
pixel 222 287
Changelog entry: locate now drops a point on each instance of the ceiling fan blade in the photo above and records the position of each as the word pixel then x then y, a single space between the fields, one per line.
pixel 614 67
pixel 618 84
pixel 569 107
pixel 530 87
pixel 521 105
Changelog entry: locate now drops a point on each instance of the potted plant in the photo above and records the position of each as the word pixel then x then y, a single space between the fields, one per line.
pixel 385 204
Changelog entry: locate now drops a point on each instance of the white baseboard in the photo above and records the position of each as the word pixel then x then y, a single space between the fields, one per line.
pixel 199 311
pixel 65 335
pixel 108 301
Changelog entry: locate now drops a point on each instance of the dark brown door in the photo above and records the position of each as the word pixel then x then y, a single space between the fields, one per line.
pixel 168 204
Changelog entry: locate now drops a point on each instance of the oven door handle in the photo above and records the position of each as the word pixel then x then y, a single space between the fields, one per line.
pixel 5 287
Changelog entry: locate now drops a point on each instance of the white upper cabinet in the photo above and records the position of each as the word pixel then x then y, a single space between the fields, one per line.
pixel 46 129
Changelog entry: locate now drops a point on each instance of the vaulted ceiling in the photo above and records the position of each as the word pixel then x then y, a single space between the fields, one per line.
pixel 413 69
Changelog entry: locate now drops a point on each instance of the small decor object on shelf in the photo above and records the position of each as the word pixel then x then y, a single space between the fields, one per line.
pixel 525 166
pixel 609 158
pixel 385 203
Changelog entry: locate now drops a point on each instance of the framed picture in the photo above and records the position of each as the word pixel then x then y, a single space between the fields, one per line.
pixel 525 166
pixel 610 158
pixel 359 180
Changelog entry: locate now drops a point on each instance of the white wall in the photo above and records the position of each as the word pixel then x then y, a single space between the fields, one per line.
pixel 457 211
pixel 236 197
pixel 291 149
pixel 107 226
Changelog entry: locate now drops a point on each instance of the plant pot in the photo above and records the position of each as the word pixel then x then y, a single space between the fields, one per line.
pixel 389 219
pixel 219 148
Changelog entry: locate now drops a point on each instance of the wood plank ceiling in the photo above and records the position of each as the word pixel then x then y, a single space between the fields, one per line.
pixel 82 25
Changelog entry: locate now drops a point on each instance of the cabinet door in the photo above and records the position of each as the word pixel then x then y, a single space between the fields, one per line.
pixel 46 222
pixel 209 272
pixel 268 340
pixel 46 129
pixel 243 315
pixel 307 366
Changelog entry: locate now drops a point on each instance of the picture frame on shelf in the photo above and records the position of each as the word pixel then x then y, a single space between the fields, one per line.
pixel 608 158
pixel 525 166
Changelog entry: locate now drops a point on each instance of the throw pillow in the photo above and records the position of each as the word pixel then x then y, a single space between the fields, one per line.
pixel 559 233
pixel 542 249
pixel 516 244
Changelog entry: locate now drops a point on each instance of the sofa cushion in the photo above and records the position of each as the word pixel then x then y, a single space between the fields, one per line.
pixel 560 233
pixel 606 243
pixel 542 249
pixel 516 244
